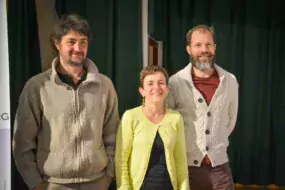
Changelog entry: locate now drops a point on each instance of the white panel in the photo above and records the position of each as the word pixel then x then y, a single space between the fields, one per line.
pixel 145 32
pixel 5 163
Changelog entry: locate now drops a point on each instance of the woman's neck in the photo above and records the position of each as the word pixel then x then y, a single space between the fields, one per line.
pixel 154 112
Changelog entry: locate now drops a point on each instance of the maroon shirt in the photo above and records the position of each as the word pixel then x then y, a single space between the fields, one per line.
pixel 207 87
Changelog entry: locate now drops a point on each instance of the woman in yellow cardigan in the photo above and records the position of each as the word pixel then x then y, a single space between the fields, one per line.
pixel 150 146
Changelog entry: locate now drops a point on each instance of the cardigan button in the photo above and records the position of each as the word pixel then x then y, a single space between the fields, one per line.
pixel 207 148
pixel 209 114
pixel 200 100
pixel 196 162
pixel 207 131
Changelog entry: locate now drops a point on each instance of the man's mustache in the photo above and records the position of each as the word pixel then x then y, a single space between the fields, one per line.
pixel 205 54
pixel 76 53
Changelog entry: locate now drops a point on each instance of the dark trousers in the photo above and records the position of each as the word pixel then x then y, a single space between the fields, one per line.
pixel 207 177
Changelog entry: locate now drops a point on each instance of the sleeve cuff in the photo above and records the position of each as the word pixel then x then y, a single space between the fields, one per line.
pixel 34 182
pixel 110 169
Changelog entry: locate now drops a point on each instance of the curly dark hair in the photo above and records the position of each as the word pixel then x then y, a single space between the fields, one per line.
pixel 65 24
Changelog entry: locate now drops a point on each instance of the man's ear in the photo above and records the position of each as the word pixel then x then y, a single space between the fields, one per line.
pixel 56 44
pixel 188 49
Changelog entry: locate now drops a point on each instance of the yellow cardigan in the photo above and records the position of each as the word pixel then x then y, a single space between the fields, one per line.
pixel 134 142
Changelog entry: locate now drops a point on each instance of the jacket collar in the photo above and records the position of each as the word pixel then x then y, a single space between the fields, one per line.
pixel 92 71
pixel 186 73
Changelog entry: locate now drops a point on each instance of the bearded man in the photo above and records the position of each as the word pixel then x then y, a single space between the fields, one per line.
pixel 207 98
pixel 67 117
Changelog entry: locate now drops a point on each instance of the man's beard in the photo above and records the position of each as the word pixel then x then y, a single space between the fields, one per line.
pixel 75 63
pixel 203 65
pixel 78 63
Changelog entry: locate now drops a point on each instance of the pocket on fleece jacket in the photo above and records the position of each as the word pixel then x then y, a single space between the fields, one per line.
pixel 101 158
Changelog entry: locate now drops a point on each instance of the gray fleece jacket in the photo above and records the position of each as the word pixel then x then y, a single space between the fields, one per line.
pixel 65 135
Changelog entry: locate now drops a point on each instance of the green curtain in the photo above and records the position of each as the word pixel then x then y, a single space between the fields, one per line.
pixel 24 59
pixel 250 44
pixel 116 48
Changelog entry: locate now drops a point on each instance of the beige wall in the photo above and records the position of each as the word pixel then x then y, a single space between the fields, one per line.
pixel 46 17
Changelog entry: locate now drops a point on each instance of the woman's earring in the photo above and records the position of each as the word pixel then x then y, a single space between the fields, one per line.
pixel 166 102
pixel 143 101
